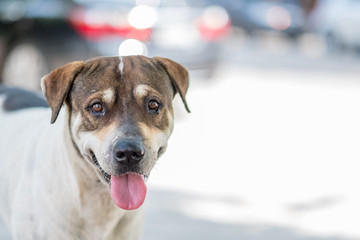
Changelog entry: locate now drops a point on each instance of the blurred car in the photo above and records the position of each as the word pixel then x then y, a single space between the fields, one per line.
pixel 39 35
pixel 286 16
pixel 338 22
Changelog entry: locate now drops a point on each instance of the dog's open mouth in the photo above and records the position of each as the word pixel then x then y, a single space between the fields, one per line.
pixel 128 190
pixel 106 176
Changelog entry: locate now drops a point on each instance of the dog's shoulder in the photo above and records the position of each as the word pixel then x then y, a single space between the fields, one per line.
pixel 14 99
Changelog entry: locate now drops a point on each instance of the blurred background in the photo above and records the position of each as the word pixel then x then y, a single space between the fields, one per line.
pixel 271 148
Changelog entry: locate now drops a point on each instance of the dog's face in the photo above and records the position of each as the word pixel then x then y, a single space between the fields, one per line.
pixel 120 116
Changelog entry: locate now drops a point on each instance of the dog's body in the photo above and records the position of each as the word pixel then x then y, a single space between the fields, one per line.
pixel 80 177
pixel 51 193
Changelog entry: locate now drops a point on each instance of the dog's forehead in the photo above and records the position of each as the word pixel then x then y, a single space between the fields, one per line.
pixel 123 74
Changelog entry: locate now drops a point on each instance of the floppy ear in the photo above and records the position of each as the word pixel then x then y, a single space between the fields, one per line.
pixel 178 75
pixel 56 85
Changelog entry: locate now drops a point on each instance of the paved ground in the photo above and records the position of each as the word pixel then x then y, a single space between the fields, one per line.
pixel 269 152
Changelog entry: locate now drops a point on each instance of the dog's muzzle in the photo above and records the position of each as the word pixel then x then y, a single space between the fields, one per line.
pixel 128 189
pixel 127 186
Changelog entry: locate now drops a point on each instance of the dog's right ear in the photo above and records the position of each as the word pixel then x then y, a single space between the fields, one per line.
pixel 178 75
pixel 56 85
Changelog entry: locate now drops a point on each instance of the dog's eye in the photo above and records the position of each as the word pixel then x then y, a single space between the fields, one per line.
pixel 154 106
pixel 97 108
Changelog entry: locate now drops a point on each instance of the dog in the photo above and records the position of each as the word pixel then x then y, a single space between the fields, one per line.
pixel 84 176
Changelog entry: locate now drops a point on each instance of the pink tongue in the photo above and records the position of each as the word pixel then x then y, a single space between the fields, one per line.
pixel 128 191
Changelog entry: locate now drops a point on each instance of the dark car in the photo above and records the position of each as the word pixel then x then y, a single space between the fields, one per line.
pixel 39 35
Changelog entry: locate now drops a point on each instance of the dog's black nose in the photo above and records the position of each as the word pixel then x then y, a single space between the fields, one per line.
pixel 128 152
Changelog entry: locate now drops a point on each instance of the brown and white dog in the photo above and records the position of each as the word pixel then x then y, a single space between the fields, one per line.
pixel 84 176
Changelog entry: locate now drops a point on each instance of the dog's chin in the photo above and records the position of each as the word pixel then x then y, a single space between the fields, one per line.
pixel 106 177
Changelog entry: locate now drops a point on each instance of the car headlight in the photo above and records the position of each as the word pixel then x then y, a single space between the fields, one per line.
pixel 142 17
pixel 278 18
pixel 132 47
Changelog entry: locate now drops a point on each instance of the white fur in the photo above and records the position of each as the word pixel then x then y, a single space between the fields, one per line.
pixel 109 95
pixel 47 191
pixel 142 90
pixel 121 65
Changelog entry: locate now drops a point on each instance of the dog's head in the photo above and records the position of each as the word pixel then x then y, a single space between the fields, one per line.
pixel 120 116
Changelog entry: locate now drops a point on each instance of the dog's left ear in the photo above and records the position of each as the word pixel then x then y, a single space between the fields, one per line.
pixel 56 85
pixel 178 75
